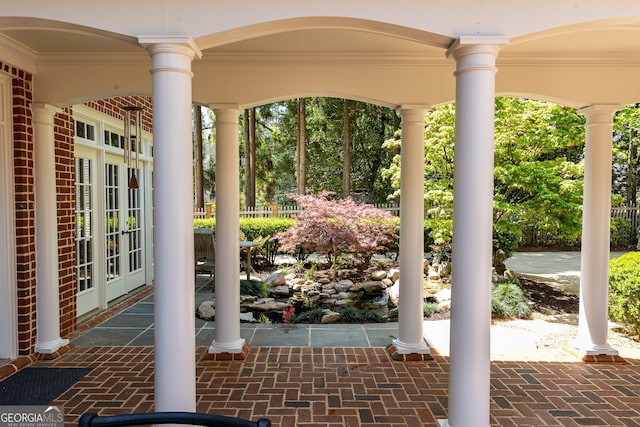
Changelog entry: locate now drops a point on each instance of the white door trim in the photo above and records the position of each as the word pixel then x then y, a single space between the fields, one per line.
pixel 8 276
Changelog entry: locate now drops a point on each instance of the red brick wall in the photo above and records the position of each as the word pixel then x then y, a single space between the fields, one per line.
pixel 65 185
pixel 113 107
pixel 22 85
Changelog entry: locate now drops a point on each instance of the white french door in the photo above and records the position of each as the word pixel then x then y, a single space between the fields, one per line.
pixel 87 270
pixel 125 231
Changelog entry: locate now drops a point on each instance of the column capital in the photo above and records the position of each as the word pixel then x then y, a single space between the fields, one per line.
pixel 413 113
pixel 475 53
pixel 43 113
pixel 226 112
pixel 177 44
pixel 600 113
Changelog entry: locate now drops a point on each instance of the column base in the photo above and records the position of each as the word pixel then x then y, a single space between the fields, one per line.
pixel 51 347
pixel 400 351
pixel 232 347
pixel 593 353
pixel 220 356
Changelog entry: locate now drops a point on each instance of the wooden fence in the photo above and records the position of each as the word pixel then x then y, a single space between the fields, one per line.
pixel 280 211
pixel 630 214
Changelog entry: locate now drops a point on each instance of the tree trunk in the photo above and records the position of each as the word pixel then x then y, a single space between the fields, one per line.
pixel 346 148
pixel 632 168
pixel 301 164
pixel 199 181
pixel 250 158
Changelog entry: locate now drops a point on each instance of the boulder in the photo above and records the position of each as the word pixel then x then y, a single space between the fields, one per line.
pixel 207 310
pixel 347 295
pixel 276 279
pixel 343 285
pixel 378 275
pixel 445 269
pixel 330 317
pixel 247 317
pixel 281 290
pixel 443 296
pixel 393 274
pixel 371 287
pixel 394 294
pixel 270 306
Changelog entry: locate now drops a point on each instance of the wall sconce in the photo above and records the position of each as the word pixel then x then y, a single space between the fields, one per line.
pixel 132 140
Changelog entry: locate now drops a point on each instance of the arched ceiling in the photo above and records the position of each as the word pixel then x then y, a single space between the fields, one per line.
pixel 577 65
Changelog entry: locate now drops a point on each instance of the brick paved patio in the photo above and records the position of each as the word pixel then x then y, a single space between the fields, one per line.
pixel 318 387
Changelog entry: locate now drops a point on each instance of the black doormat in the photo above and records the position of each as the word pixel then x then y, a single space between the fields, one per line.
pixel 38 386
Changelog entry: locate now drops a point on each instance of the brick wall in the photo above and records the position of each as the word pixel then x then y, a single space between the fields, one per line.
pixel 65 189
pixel 113 107
pixel 22 86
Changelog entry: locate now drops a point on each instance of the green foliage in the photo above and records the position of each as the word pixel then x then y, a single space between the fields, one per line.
pixel 263 229
pixel 508 301
pixel 351 314
pixel 311 272
pixel 624 290
pixel 537 177
pixel 254 229
pixel 276 133
pixel 310 316
pixel 622 235
pixel 626 160
pixel 254 287
pixel 430 308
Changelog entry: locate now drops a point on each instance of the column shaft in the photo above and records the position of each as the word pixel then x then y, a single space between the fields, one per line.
pixel 411 338
pixel 227 333
pixel 173 203
pixel 469 375
pixel 594 263
pixel 46 226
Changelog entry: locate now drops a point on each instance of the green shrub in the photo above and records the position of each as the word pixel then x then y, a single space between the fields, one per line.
pixel 352 314
pixel 508 301
pixel 254 229
pixel 621 233
pixel 624 290
pixel 254 287
pixel 430 308
pixel 310 316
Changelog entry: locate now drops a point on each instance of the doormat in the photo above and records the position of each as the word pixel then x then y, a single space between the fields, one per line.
pixel 38 386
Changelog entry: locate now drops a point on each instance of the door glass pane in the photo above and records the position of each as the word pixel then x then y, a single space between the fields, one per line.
pixel 84 235
pixel 134 224
pixel 112 222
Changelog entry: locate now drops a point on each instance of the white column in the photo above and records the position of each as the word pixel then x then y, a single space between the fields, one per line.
pixel 227 325
pixel 469 374
pixel 47 288
pixel 411 339
pixel 173 203
pixel 596 216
